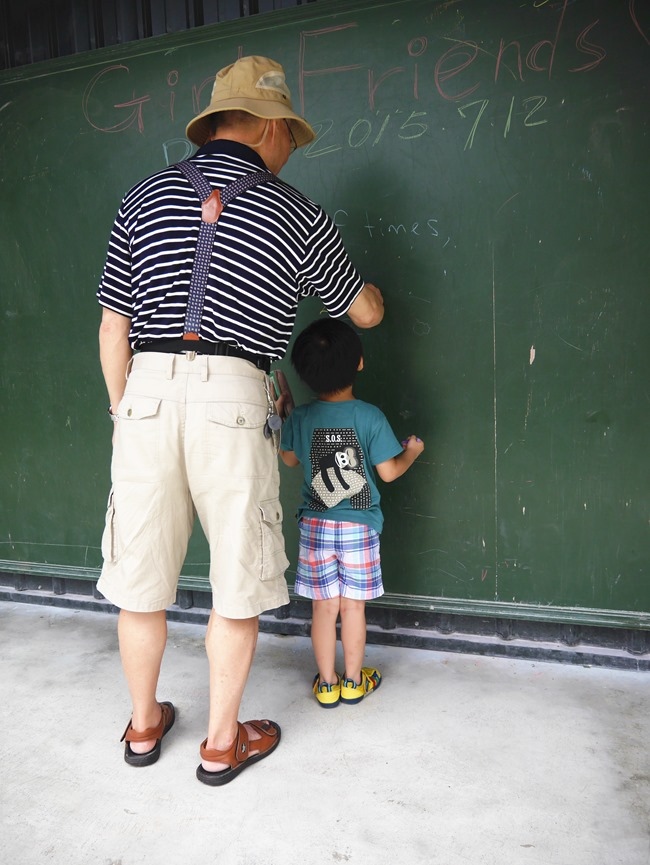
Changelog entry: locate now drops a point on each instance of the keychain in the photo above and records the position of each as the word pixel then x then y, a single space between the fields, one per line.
pixel 273 423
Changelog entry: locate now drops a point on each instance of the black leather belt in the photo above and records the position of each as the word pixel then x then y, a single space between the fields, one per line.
pixel 202 346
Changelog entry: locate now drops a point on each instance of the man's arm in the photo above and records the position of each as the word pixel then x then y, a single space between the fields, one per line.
pixel 367 309
pixel 114 353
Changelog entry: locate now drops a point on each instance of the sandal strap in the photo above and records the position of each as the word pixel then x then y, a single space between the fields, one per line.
pixel 370 678
pixel 239 751
pixel 231 755
pixel 131 735
pixel 267 733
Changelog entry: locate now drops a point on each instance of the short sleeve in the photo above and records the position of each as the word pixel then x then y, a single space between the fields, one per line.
pixel 115 286
pixel 383 444
pixel 327 270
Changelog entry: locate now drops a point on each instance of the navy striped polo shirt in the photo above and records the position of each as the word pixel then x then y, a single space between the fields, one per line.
pixel 273 246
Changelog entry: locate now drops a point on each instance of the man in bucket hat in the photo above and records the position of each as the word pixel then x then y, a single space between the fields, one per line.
pixel 206 263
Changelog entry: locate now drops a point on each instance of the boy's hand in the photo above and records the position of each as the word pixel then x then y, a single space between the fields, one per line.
pixel 289 458
pixel 413 445
pixel 281 405
pixel 394 468
pixel 281 392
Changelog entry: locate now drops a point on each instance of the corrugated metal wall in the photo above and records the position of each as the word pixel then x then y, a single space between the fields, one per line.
pixel 35 30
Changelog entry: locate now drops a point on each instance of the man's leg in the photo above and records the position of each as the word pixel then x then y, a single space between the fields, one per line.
pixel 142 638
pixel 230 646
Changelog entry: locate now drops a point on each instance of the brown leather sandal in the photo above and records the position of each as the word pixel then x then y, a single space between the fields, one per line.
pixel 238 755
pixel 167 718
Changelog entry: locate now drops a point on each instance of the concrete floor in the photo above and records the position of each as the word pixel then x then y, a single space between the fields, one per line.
pixel 456 760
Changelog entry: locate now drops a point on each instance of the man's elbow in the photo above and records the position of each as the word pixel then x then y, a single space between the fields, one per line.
pixel 367 309
pixel 113 326
pixel 367 319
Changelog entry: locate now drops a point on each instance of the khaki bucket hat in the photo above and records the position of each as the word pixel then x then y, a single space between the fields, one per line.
pixel 256 85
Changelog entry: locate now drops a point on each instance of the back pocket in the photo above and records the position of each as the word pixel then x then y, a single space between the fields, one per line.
pixel 137 440
pixel 234 440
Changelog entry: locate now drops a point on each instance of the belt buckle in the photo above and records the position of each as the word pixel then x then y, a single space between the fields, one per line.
pixel 190 337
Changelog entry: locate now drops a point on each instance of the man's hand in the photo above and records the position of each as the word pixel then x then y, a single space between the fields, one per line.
pixel 367 309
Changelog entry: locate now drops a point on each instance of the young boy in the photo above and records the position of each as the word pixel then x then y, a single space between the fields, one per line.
pixel 338 440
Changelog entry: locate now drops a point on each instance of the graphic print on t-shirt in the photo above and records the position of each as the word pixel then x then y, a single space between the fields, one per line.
pixel 337 470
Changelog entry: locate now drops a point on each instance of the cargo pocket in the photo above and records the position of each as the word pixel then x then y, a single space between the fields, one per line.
pixel 109 538
pixel 274 560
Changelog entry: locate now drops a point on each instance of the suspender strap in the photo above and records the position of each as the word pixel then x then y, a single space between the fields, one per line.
pixel 213 202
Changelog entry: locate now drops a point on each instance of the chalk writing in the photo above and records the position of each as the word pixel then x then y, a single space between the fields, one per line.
pixel 322 129
pixel 176 149
pixel 362 130
pixel 537 103
pixel 421 328
pixel 91 104
pixel 307 73
pixel 121 115
pixel 378 227
pixel 419 71
pixel 635 21
pixel 197 93
pixel 460 70
pixel 172 81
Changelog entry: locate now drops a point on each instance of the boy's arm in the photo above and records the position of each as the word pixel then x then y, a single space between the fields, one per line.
pixel 394 468
pixel 289 458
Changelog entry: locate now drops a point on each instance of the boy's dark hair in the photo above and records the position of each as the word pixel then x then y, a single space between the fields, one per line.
pixel 326 355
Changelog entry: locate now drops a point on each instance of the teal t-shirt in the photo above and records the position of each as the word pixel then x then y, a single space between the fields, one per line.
pixel 338 443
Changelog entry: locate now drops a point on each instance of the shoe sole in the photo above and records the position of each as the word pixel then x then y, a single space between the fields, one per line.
pixel 149 757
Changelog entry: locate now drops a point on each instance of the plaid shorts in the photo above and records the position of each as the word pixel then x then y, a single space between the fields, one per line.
pixel 338 559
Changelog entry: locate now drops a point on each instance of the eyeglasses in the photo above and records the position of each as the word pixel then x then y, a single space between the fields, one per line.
pixel 293 144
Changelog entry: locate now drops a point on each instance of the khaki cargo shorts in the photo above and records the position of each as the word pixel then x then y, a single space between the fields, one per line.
pixel 189 441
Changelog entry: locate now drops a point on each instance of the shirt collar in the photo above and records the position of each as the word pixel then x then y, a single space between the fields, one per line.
pixel 223 146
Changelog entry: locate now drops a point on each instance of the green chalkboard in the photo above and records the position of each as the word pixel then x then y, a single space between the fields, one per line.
pixel 488 167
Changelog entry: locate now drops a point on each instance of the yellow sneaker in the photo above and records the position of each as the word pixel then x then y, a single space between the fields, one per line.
pixel 327 695
pixel 351 692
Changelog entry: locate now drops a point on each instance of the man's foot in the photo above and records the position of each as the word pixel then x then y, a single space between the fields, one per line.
pixel 149 739
pixel 254 741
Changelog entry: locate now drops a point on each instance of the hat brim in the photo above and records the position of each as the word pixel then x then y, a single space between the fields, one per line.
pixel 198 129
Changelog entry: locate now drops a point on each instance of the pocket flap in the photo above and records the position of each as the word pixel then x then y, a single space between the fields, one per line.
pixel 244 415
pixel 271 511
pixel 138 407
